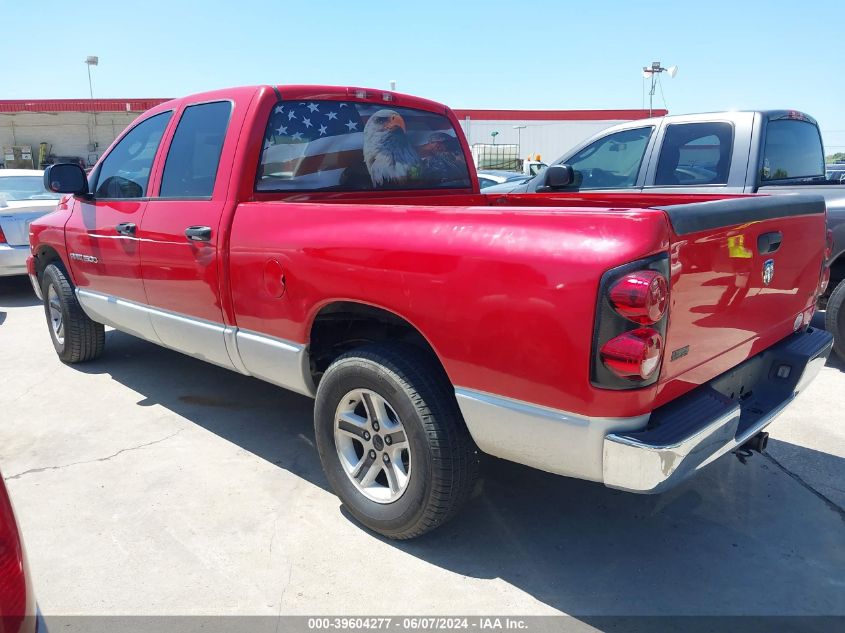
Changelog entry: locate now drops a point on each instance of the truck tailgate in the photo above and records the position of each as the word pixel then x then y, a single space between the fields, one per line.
pixel 744 275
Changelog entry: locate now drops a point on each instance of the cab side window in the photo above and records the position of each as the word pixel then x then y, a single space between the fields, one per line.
pixel 695 154
pixel 194 154
pixel 612 162
pixel 125 172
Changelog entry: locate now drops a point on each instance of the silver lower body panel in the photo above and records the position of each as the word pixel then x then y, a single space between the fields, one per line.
pixel 275 360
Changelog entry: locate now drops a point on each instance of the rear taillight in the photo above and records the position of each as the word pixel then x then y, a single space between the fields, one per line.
pixel 641 296
pixel 631 317
pixel 2 236
pixel 634 354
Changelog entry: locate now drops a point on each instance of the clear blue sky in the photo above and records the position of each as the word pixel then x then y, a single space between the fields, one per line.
pixel 541 54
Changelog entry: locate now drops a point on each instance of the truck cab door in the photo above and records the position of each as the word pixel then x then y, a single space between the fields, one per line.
pixel 614 162
pixel 180 235
pixel 102 232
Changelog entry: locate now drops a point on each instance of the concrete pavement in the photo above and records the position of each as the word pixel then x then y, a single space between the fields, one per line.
pixel 151 483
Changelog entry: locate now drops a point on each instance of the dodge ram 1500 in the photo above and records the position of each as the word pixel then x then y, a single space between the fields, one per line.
pixel 334 241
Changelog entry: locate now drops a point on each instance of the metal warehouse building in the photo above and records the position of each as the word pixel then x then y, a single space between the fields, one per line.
pixel 71 128
pixel 84 128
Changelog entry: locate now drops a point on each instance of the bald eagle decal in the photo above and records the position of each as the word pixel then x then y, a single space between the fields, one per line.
pixel 388 154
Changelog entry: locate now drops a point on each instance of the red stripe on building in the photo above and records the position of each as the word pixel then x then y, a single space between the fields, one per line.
pixel 557 115
pixel 78 105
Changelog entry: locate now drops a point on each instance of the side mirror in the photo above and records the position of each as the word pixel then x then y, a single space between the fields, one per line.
pixel 557 177
pixel 65 178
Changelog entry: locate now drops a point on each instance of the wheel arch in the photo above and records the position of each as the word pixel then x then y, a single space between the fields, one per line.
pixel 44 255
pixel 837 270
pixel 340 325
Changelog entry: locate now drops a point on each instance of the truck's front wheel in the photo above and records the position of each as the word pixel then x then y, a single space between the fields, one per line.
pixel 392 441
pixel 75 336
pixel 834 318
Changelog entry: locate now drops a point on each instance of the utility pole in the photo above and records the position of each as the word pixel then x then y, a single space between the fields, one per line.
pixel 519 129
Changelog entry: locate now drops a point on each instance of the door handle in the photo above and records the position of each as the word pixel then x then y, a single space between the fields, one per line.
pixel 126 228
pixel 198 233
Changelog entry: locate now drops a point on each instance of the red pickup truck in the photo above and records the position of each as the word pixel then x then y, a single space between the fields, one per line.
pixel 334 241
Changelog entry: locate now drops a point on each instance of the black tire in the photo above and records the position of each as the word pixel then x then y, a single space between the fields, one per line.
pixel 443 456
pixel 83 339
pixel 834 318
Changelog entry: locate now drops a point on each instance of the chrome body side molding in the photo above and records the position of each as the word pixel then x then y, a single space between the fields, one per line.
pixel 548 439
pixel 272 359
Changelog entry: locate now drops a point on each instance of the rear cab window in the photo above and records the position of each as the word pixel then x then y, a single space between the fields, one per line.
pixel 793 150
pixel 350 146
pixel 194 154
pixel 694 154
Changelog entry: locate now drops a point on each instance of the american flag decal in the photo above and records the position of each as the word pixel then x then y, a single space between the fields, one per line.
pixel 315 145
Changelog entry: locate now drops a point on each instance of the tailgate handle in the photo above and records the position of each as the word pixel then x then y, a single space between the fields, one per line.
pixel 769 242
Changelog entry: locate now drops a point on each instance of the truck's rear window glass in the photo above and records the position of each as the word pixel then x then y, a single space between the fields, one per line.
pixel 349 146
pixel 793 150
pixel 695 154
pixel 194 152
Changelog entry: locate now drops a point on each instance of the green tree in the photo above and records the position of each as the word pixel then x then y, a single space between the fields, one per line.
pixel 839 157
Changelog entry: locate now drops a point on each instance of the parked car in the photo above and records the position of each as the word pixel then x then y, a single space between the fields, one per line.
pixel 22 199
pixel 17 600
pixel 489 177
pixel 334 241
pixel 773 152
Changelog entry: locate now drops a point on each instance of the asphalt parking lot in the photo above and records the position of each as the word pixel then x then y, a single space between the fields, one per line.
pixel 150 483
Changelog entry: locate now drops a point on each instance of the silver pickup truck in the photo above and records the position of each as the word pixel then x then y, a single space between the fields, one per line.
pixel 773 151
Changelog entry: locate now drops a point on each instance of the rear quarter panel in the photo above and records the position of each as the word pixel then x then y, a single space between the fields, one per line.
pixel 505 297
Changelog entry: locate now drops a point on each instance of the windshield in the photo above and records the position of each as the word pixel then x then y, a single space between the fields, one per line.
pixel 25 188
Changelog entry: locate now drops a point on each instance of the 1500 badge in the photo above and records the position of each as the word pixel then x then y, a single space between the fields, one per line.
pixel 84 258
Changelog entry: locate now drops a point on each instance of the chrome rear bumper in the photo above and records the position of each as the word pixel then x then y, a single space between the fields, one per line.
pixel 715 418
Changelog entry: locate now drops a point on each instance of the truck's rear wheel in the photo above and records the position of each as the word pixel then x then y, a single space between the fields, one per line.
pixel 75 336
pixel 834 318
pixel 392 440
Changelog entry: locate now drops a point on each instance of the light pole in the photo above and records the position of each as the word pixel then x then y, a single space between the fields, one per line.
pixel 519 129
pixel 653 72
pixel 91 60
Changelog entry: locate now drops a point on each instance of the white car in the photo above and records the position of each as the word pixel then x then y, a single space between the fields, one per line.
pixel 490 177
pixel 22 199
